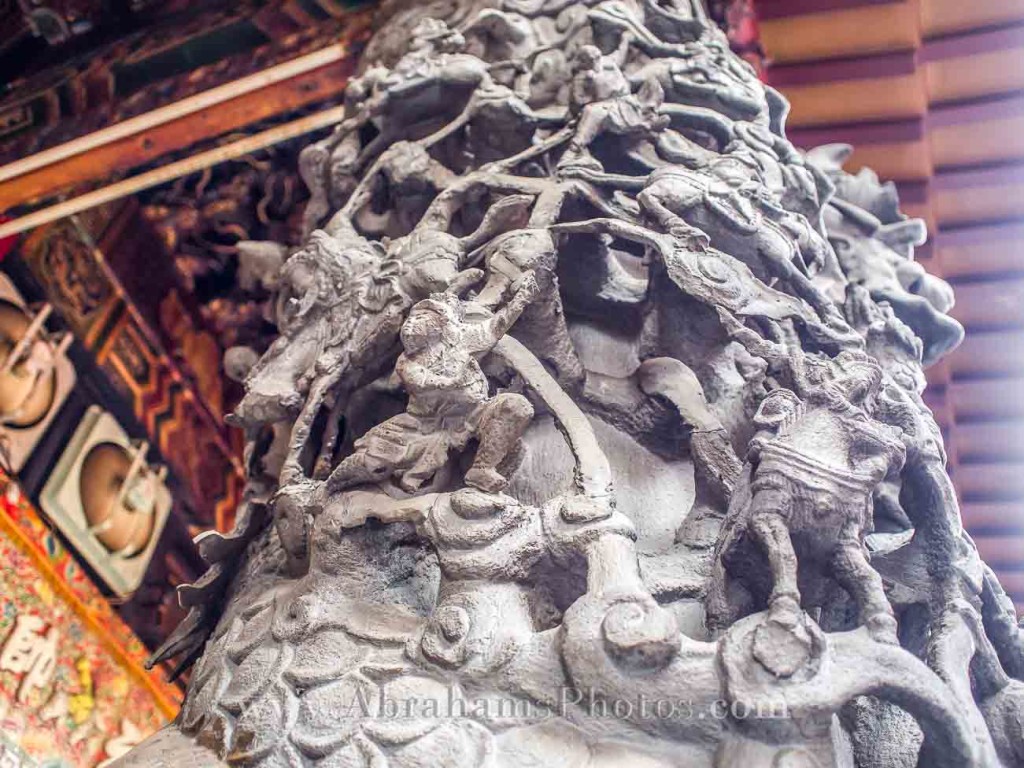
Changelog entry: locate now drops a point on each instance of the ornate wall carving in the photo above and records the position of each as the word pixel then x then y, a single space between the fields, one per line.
pixel 593 434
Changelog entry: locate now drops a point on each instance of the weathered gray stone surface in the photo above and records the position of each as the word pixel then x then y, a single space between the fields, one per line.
pixel 593 435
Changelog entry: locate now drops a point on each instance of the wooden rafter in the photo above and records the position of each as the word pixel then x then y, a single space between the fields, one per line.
pixel 232 107
pixel 174 170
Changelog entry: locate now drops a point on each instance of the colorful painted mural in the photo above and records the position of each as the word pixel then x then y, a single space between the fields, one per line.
pixel 73 689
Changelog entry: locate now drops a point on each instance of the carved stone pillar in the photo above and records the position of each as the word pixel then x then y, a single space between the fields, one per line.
pixel 593 435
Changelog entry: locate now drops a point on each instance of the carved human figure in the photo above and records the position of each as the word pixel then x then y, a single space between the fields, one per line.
pixel 703 73
pixel 800 186
pixel 328 167
pixel 740 218
pixel 602 98
pixel 449 401
pixel 411 177
pixel 341 305
pixel 395 101
pixel 813 465
pixel 434 61
pixel 316 301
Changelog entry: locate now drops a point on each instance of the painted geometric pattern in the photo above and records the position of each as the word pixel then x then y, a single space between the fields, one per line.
pixel 72 269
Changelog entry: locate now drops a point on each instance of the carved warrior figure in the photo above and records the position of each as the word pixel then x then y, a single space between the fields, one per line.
pixel 448 402
pixel 814 464
pixel 593 435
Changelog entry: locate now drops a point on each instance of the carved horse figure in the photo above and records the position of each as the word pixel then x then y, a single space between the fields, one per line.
pixel 727 204
pixel 812 468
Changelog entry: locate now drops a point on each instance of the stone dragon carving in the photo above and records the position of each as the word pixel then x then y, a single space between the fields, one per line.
pixel 593 435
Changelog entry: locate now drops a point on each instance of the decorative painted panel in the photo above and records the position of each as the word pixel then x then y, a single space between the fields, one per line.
pixel 73 690
pixel 76 277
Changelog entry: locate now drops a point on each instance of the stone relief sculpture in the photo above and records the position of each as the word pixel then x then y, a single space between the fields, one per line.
pixel 814 464
pixel 593 435
pixel 449 404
